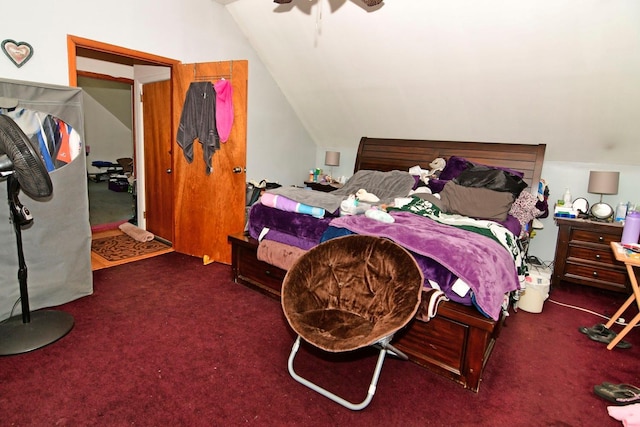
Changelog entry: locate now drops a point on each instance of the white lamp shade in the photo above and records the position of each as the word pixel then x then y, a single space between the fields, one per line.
pixel 332 158
pixel 601 182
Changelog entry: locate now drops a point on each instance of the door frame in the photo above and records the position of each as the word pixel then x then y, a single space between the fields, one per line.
pixel 82 47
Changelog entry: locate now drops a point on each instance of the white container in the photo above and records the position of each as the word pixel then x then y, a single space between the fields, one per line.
pixel 533 297
pixel 536 290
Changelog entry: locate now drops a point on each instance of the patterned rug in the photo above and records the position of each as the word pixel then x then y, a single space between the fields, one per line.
pixel 123 246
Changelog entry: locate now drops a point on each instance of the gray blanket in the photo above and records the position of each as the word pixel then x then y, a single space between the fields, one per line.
pixel 385 185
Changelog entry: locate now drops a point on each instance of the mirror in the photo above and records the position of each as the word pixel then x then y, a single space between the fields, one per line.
pixel 581 205
pixel 601 211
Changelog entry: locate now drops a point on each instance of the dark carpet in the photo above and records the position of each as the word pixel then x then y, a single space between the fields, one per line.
pixel 170 341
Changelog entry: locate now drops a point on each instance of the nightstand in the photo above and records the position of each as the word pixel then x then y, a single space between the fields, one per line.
pixel 322 186
pixel 584 257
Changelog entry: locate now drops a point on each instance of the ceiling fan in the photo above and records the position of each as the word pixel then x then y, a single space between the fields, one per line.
pixel 305 5
pixel 23 168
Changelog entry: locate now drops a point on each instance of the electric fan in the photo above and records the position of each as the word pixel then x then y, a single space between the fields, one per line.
pixel 24 170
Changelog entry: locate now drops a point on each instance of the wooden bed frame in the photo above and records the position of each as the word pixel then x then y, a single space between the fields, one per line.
pixel 457 342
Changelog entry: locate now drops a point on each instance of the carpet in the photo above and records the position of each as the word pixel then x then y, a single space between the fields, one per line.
pixel 116 248
pixel 170 341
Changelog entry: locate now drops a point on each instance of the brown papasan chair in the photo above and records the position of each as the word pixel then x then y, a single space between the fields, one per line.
pixel 348 293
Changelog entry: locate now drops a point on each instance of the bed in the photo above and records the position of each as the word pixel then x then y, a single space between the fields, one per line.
pixel 456 338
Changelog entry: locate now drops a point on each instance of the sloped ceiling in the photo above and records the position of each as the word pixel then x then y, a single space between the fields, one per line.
pixel 564 73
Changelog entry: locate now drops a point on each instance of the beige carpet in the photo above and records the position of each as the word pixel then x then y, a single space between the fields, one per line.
pixel 122 246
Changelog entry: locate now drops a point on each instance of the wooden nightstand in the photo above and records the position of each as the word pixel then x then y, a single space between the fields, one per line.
pixel 584 257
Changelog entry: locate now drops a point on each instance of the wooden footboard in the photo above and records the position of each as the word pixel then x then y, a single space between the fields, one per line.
pixel 455 344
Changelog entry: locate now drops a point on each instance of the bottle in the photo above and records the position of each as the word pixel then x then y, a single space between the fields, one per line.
pixel 621 212
pixel 310 175
pixel 567 198
pixel 631 230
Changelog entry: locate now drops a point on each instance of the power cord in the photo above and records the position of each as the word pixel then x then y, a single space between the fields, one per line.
pixel 15 304
pixel 620 321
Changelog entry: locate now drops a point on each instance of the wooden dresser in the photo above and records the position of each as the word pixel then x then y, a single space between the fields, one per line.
pixel 584 257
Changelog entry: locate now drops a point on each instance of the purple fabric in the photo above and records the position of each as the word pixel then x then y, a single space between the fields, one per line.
pixel 295 224
pixel 454 167
pixel 481 262
pixel 443 277
pixel 512 224
pixel 288 239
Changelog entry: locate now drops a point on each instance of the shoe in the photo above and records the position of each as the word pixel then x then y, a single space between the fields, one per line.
pixel 620 394
pixel 621 386
pixel 601 333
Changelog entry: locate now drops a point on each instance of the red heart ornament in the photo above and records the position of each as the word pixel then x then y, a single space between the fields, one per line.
pixel 18 52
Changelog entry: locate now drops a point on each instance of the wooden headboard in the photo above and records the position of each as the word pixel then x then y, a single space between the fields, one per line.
pixel 386 154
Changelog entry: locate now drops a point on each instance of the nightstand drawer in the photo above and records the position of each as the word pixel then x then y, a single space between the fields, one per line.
pixel 601 275
pixel 603 255
pixel 595 237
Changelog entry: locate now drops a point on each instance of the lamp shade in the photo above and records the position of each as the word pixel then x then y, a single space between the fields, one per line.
pixel 332 158
pixel 601 182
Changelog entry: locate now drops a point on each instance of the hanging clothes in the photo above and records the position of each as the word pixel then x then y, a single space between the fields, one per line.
pixel 224 108
pixel 198 120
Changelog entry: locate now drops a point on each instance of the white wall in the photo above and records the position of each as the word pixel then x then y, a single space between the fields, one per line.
pixel 187 30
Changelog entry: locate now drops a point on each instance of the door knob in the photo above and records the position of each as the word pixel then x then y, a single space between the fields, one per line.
pixel 238 169
pixel 169 170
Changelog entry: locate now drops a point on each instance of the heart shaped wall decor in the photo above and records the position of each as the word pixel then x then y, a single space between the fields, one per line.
pixel 18 52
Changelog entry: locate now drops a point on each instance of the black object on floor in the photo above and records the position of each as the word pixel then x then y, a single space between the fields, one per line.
pixel 620 394
pixel 601 333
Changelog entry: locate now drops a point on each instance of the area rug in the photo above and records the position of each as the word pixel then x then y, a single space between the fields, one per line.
pixel 122 246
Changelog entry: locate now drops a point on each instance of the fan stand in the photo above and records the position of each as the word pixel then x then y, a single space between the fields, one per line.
pixel 31 331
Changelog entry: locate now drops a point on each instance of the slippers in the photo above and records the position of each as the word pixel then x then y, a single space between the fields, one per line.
pixel 601 333
pixel 629 387
pixel 621 394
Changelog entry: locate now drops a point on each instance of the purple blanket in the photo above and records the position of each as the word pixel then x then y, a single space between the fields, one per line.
pixel 486 266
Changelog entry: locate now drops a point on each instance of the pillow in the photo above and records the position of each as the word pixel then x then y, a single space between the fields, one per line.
pixel 455 165
pixel 491 178
pixel 476 202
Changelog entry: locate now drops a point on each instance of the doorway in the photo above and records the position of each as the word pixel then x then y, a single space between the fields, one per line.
pixel 201 216
pixel 108 115
pixel 134 68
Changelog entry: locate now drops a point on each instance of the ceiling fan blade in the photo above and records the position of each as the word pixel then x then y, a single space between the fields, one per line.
pixel 27 165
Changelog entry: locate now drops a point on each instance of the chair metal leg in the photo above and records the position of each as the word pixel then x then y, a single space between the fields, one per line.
pixel 332 396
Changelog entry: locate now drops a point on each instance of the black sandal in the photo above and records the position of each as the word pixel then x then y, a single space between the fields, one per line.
pixel 620 394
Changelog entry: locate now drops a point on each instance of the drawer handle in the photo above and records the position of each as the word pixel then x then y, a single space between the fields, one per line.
pixel 267 272
pixel 595 274
pixel 598 256
pixel 601 239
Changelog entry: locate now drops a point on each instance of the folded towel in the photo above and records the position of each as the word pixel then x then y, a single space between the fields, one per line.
pixel 137 233
pixel 285 204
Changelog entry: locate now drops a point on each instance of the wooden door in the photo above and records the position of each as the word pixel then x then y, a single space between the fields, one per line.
pixel 156 106
pixel 207 208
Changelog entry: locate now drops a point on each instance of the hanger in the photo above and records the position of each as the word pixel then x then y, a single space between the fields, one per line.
pixel 213 77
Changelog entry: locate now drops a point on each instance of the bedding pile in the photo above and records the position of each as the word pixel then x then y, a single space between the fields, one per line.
pixel 461 224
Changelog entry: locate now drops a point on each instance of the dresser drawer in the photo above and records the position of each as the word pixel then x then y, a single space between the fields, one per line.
pixel 603 277
pixel 596 254
pixel 594 237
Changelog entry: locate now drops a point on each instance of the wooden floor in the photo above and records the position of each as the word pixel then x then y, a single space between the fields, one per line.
pixel 98 262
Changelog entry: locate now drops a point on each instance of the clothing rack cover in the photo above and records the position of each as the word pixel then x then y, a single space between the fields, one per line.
pixel 57 245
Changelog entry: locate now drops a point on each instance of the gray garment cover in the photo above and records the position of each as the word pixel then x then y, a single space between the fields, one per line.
pixel 57 245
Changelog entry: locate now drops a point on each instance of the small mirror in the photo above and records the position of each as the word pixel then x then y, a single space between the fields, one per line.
pixel 601 211
pixel 582 205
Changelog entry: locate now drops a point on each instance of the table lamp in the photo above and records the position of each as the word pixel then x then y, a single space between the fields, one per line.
pixel 332 158
pixel 601 182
